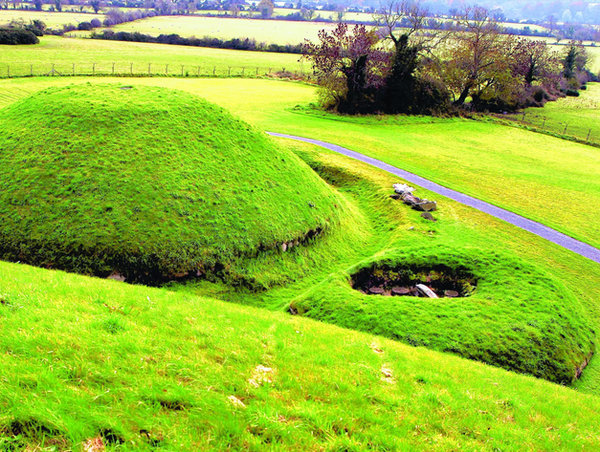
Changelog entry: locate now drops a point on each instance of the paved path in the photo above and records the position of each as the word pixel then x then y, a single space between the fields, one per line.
pixel 517 220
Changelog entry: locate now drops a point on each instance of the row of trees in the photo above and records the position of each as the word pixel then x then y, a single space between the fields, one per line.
pixel 423 70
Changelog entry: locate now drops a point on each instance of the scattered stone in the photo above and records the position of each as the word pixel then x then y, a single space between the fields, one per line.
pixel 403 188
pixel 412 228
pixel 387 374
pixel 296 242
pixel 376 348
pixel 261 376
pixel 426 205
pixel 116 276
pixel 236 402
pixel 94 445
pixel 428 216
pixel 450 293
pixel 284 247
pixel 400 290
pixel 290 245
pixel 376 290
pixel 292 310
pixel 410 199
pixel 426 291
pixel 311 205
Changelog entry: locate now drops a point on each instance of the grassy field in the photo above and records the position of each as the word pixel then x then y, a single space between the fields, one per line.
pixel 269 31
pixel 135 57
pixel 51 19
pixel 541 181
pixel 577 117
pixel 140 368
pixel 260 111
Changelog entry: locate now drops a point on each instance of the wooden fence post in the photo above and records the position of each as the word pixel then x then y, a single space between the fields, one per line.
pixel 73 70
pixel 214 70
pixel 166 69
pixel 182 70
pixel 131 68
pixel 31 70
pixel 93 68
pixel 113 68
pixel 229 71
pixel 149 70
pixel 8 70
pixel 565 131
pixel 588 135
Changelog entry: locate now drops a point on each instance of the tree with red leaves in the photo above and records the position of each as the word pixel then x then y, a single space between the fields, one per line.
pixel 349 66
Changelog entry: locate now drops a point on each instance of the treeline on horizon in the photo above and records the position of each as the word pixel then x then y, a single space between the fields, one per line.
pixel 207 41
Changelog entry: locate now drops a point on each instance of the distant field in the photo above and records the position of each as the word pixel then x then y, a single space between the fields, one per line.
pixel 577 117
pixel 270 31
pixel 52 20
pixel 135 57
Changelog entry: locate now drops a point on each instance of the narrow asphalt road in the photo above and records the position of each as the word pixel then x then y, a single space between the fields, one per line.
pixel 534 227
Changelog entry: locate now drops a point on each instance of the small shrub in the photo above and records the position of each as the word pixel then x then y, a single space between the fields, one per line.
pixel 17 36
pixel 572 93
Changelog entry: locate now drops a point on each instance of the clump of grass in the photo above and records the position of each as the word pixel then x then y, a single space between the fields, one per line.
pixel 150 183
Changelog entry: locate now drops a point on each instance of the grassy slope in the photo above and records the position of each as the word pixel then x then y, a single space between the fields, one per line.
pixel 64 52
pixel 541 177
pixel 270 31
pixel 146 366
pixel 146 174
pixel 578 274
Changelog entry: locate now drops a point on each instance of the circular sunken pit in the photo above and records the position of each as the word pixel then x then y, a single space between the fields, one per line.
pixel 433 281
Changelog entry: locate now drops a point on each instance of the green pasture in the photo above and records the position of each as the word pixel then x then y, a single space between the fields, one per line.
pixel 269 31
pixel 577 117
pixel 531 174
pixel 51 19
pixel 91 55
pixel 143 368
pixel 177 369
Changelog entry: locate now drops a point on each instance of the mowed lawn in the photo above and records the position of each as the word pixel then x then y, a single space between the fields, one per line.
pixel 540 177
pixel 51 19
pixel 136 57
pixel 269 31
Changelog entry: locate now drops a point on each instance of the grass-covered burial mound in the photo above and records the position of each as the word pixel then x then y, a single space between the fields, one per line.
pixel 148 183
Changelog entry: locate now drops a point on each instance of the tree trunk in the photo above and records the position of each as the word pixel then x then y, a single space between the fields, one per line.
pixel 463 95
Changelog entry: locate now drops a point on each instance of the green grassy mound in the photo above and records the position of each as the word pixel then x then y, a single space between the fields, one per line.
pixel 85 361
pixel 518 318
pixel 148 182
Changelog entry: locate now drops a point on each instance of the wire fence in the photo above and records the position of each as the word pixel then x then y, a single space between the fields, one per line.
pixel 138 69
pixel 541 123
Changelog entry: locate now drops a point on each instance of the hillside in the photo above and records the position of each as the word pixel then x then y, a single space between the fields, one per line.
pixel 148 183
pixel 141 368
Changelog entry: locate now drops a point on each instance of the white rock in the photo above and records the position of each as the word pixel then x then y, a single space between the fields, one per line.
pixel 426 291
pixel 402 189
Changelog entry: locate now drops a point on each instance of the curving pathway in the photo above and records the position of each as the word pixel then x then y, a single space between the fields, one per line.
pixel 534 227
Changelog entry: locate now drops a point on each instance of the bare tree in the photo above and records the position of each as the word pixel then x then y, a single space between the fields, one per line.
pixel 479 59
pixel 398 18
